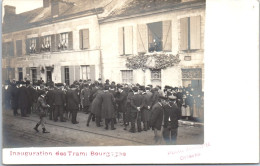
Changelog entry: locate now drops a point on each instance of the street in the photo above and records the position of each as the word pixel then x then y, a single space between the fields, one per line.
pixel 18 132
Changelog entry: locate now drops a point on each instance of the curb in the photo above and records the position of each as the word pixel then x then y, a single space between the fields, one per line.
pixel 190 123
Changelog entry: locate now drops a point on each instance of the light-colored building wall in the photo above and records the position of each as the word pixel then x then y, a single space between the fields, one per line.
pixel 113 63
pixel 74 57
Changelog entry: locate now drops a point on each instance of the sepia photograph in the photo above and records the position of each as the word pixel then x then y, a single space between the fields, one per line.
pixel 123 81
pixel 103 72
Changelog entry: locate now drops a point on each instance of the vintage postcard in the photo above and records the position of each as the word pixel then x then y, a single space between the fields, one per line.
pixel 121 81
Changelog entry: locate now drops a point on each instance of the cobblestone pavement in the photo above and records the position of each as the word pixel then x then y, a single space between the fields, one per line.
pixel 18 132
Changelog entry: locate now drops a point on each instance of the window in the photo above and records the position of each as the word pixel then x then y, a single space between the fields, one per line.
pixel 65 41
pixel 8 49
pixel 18 47
pixel 34 75
pixel 192 76
pixel 46 44
pixel 85 72
pixel 127 76
pixel 154 36
pixel 156 74
pixel 67 75
pixel 190 33
pixel 84 39
pixel 33 45
pixel 20 74
pixel 125 40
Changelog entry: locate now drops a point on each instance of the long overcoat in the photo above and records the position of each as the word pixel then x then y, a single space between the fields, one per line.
pixel 72 99
pixel 23 97
pixel 156 116
pixel 96 104
pixel 86 97
pixel 121 101
pixel 108 105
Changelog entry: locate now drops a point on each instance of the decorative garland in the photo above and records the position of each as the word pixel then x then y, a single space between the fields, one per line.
pixel 152 61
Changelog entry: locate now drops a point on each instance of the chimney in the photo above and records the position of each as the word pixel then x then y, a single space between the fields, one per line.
pixel 10 10
pixel 46 3
pixel 55 6
pixel 10 15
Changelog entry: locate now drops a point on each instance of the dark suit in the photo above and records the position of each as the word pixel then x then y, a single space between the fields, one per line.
pixel 59 101
pixel 85 93
pixel 23 100
pixel 171 116
pixel 50 100
pixel 156 116
pixel 145 111
pixel 14 99
pixel 136 101
pixel 121 101
pixel 72 103
pixel 108 108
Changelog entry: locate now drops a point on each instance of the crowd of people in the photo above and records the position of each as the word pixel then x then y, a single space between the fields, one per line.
pixel 139 108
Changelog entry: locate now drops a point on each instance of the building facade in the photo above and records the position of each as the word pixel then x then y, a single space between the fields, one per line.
pixel 96 42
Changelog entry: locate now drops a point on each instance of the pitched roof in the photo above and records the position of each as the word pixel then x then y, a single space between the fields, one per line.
pixel 142 7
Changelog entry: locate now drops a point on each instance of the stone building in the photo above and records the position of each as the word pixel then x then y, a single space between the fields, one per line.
pixel 84 39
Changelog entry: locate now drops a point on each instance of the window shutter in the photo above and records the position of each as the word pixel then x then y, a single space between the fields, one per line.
pixel 40 43
pixel 121 41
pixel 19 47
pixel 167 36
pixel 37 45
pixel 142 40
pixel 27 47
pixel 92 73
pixel 12 48
pixel 62 74
pixel 195 32
pixel 128 32
pixel 77 72
pixel 57 42
pixel 70 42
pixel 72 74
pixel 81 39
pixel 54 45
pixel 184 34
pixel 85 38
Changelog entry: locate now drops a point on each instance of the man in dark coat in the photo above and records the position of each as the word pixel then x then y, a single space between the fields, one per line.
pixel 23 99
pixel 72 103
pixel 14 99
pixel 85 96
pixel 121 101
pixel 135 112
pixel 108 108
pixel 96 107
pixel 50 101
pixel 59 102
pixel 157 117
pixel 31 98
pixel 171 116
pixel 147 102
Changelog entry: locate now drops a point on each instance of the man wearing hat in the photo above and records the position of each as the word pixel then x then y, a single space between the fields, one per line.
pixel 121 101
pixel 157 117
pixel 147 95
pixel 23 99
pixel 171 116
pixel 42 110
pixel 135 110
pixel 72 103
pixel 108 108
pixel 59 103
pixel 85 96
